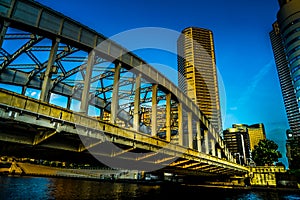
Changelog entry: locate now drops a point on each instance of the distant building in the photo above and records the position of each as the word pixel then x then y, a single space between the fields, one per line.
pixel 197 72
pixel 256 133
pixel 241 140
pixel 237 141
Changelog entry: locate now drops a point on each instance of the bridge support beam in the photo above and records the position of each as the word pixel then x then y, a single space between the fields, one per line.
pixel 45 91
pixel 154 110
pixel 219 153
pixel 69 103
pixel 3 30
pixel 43 136
pixel 206 141
pixel 190 130
pixel 198 129
pixel 168 117
pixel 213 147
pixel 137 99
pixel 180 125
pixel 115 95
pixel 85 96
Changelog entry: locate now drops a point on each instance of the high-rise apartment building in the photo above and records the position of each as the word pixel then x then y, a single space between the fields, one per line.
pixel 285 39
pixel 197 75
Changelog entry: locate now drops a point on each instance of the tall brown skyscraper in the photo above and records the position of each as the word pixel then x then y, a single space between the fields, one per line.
pixel 197 72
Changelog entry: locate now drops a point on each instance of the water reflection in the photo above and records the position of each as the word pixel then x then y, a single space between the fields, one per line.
pixel 24 188
pixel 60 188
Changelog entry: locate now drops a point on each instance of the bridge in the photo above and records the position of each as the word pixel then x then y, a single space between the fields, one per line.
pixel 68 91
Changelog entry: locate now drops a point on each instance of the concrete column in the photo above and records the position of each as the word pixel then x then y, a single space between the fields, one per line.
pixel 168 117
pixel 45 92
pixel 136 112
pixel 213 147
pixel 206 145
pixel 115 95
pixel 154 110
pixel 180 124
pixel 190 130
pixel 85 96
pixel 198 129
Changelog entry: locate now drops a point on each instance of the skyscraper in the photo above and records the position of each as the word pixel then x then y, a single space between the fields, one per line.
pixel 197 72
pixel 285 39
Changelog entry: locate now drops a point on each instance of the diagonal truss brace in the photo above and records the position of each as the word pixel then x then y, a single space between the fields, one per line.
pixel 43 135
pixel 122 152
pixel 84 147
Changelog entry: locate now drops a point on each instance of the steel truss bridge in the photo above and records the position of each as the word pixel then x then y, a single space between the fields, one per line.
pixel 67 89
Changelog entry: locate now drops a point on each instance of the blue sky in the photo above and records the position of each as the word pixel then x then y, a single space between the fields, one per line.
pixel 243 50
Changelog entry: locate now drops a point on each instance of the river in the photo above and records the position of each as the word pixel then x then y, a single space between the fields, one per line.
pixel 61 188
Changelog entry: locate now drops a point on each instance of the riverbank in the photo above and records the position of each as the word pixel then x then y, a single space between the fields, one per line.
pixel 29 169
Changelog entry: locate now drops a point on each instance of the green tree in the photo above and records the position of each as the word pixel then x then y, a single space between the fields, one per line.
pixel 266 153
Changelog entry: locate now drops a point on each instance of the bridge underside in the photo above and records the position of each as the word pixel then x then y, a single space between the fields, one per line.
pixel 27 134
